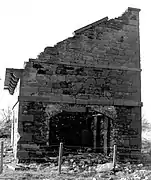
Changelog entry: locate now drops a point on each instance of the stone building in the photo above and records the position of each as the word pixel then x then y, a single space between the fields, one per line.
pixel 91 81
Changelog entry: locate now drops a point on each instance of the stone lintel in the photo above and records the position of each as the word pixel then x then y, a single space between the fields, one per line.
pixel 66 99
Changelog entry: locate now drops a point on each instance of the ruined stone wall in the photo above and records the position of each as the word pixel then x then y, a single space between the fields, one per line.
pixel 113 42
pixel 102 60
pixel 80 82
pixel 127 129
pixel 99 65
pixel 33 130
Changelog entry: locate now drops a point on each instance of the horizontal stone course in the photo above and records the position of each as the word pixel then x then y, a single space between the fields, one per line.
pixel 70 80
pixel 70 100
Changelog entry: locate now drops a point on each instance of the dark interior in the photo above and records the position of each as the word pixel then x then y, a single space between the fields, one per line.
pixel 67 127
pixel 75 130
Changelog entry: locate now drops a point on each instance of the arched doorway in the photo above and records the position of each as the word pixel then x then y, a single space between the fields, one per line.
pixel 67 127
pixel 82 129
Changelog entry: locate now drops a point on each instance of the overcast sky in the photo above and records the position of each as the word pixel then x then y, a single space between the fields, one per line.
pixel 28 26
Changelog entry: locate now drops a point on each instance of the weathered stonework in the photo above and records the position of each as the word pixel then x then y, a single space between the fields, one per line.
pixel 99 66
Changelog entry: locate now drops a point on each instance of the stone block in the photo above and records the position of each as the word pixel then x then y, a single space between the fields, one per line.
pixel 20 124
pixel 27 91
pixel 23 154
pixel 135 154
pixel 29 146
pixel 26 137
pixel 133 22
pixel 20 130
pixel 100 81
pixel 26 118
pixel 134 141
pixel 126 142
pixel 75 109
pixel 130 103
pixel 94 101
pixel 81 101
pixel 68 99
pixel 118 102
pixel 82 96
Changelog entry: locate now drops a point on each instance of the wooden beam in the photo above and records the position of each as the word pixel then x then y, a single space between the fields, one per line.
pixel 1 161
pixel 95 133
pixel 106 122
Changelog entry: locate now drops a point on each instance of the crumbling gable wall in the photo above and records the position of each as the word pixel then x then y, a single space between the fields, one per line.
pixel 99 65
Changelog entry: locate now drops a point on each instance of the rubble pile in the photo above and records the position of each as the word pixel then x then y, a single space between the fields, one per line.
pixel 72 162
pixel 79 165
pixel 82 162
pixel 85 168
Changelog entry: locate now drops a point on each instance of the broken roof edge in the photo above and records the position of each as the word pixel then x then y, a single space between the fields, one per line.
pixel 90 25
pixel 102 20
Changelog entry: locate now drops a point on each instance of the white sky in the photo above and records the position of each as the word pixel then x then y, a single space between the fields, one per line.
pixel 28 26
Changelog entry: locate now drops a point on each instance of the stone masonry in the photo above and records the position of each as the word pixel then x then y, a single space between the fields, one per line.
pixel 98 66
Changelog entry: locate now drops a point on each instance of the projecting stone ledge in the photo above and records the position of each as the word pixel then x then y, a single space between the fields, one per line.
pixel 134 9
pixel 71 100
pixel 94 65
